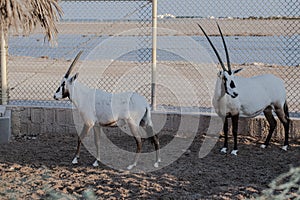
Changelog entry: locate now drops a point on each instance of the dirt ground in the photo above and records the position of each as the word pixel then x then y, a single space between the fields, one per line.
pixel 41 168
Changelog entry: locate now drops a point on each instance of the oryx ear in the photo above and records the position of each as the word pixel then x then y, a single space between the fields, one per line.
pixel 237 71
pixel 74 77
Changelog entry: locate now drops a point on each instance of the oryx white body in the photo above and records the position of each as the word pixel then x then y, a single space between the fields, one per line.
pixel 255 94
pixel 107 109
pixel 97 107
pixel 236 96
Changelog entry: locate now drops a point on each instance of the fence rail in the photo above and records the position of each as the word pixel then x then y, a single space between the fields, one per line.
pixel 116 36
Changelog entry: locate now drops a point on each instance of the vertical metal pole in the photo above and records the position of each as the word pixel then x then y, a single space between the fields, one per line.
pixel 154 43
pixel 3 68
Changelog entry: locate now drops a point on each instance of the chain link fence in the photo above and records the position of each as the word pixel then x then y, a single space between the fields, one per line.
pixel 116 36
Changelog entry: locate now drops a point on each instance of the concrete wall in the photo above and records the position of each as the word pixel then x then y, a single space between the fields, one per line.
pixel 5 126
pixel 40 120
pixel 32 121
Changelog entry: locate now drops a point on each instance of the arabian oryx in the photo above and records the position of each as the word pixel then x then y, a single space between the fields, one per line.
pixel 97 107
pixel 236 96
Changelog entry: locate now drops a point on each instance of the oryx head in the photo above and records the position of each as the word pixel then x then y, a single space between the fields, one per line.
pixel 63 90
pixel 226 75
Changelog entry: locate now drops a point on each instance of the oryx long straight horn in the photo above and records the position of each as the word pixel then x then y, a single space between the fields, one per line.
pixel 213 47
pixel 225 47
pixel 73 64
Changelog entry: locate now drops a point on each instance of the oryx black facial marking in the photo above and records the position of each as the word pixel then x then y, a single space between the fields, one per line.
pixel 65 92
pixel 229 84
pixel 58 89
pixel 232 85
pixel 62 90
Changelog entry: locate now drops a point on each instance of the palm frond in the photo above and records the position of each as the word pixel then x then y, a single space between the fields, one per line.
pixel 25 15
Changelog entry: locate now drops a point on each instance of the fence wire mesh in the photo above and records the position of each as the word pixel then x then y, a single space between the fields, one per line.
pixel 116 36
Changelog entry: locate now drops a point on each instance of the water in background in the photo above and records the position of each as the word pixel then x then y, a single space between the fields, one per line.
pixel 264 50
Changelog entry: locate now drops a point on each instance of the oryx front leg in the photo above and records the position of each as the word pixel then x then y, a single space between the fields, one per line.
pixel 235 124
pixel 84 132
pixel 225 130
pixel 135 132
pixel 97 135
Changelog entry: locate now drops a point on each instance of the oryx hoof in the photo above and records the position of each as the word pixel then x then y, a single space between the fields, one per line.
pixel 75 161
pixel 263 146
pixel 130 167
pixel 285 147
pixel 223 150
pixel 156 165
pixel 234 152
pixel 95 164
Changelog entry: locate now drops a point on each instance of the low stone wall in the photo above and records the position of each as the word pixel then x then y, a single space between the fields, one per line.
pixel 33 121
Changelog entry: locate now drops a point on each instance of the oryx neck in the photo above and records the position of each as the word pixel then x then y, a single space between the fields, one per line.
pixel 79 93
pixel 219 89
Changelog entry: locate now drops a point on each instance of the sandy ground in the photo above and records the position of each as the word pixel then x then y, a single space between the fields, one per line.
pixel 41 168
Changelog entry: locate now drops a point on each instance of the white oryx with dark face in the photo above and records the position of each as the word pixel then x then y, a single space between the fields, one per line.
pixel 97 107
pixel 248 97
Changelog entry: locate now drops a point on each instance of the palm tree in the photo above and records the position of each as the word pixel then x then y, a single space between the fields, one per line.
pixel 24 16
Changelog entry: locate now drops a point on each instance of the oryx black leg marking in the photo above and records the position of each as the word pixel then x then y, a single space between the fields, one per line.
pixel 155 141
pixel 225 130
pixel 78 147
pixel 97 135
pixel 283 116
pixel 135 132
pixel 157 148
pixel 235 126
pixel 272 122
pixel 82 135
pixel 138 141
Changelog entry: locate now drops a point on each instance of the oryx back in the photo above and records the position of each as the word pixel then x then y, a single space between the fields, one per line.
pixel 258 92
pixel 119 106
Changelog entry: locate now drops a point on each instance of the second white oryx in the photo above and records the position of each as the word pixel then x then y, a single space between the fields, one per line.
pixel 236 96
pixel 97 107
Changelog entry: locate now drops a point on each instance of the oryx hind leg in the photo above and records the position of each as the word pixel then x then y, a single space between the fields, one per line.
pixel 97 135
pixel 272 122
pixel 155 141
pixel 283 115
pixel 84 132
pixel 134 128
